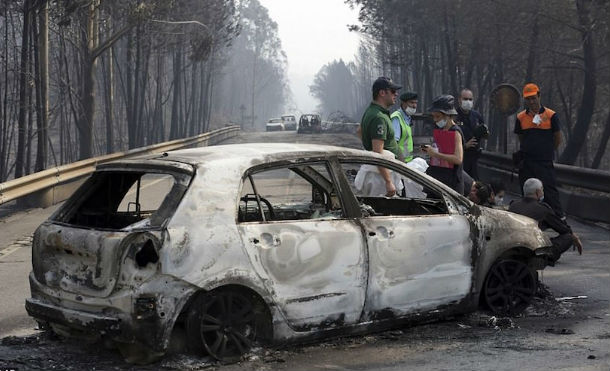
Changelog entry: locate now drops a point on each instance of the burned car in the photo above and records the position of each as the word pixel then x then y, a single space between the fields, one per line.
pixel 275 125
pixel 290 122
pixel 264 243
pixel 310 123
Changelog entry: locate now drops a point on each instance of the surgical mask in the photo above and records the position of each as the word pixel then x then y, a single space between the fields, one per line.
pixel 467 105
pixel 541 198
pixel 410 111
pixel 441 123
pixel 499 200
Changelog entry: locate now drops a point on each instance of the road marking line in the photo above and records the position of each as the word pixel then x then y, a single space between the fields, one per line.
pixel 9 250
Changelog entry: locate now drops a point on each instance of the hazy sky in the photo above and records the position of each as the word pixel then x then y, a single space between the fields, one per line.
pixel 313 33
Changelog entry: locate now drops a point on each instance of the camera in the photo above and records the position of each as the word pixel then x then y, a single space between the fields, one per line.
pixel 480 132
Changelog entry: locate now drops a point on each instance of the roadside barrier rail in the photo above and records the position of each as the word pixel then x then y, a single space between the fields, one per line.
pixel 583 192
pixel 596 180
pixel 49 179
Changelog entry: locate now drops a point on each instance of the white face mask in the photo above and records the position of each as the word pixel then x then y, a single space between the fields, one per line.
pixel 410 111
pixel 499 200
pixel 467 105
pixel 441 123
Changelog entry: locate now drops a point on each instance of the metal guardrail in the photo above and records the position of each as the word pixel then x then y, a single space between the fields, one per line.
pixel 589 199
pixel 596 180
pixel 24 186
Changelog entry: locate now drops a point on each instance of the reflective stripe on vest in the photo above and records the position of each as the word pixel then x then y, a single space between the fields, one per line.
pixel 527 121
pixel 405 136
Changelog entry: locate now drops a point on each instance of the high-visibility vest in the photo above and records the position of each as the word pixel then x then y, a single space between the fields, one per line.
pixel 406 136
pixel 527 120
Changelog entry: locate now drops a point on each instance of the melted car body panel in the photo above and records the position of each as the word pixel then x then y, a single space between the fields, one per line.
pixel 417 263
pixel 315 269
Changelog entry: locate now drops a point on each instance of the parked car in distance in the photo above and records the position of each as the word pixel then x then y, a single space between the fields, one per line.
pixel 290 122
pixel 310 123
pixel 276 124
pixel 264 243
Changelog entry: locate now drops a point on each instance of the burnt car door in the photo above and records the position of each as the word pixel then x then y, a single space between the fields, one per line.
pixel 419 246
pixel 310 257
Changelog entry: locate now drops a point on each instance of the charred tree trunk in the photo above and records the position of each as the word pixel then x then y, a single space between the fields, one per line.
pixel 43 87
pixel 174 132
pixel 603 143
pixel 89 66
pixel 585 111
pixel 23 87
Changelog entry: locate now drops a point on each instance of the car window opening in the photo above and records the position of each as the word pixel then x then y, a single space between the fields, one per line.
pixel 292 193
pixel 413 197
pixel 121 200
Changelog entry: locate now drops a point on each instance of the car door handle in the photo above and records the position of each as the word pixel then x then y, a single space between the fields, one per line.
pixel 255 241
pixel 372 234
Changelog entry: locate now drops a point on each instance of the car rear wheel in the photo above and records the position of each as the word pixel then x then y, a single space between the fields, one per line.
pixel 223 324
pixel 509 287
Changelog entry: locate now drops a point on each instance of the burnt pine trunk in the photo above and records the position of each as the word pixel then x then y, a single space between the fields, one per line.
pixel 603 143
pixel 23 86
pixel 175 117
pixel 43 87
pixel 585 111
pixel 109 97
pixel 533 47
pixel 87 98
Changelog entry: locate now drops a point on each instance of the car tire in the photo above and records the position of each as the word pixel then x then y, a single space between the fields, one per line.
pixel 223 324
pixel 509 287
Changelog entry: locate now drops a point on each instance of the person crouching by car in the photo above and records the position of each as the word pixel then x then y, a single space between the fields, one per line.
pixel 447 152
pixel 531 205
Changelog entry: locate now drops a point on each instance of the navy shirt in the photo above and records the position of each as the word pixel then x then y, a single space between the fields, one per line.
pixel 469 121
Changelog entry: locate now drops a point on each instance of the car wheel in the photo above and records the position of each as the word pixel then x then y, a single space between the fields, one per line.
pixel 223 324
pixel 509 287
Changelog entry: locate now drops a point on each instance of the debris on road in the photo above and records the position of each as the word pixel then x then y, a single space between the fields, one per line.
pixel 571 298
pixel 557 331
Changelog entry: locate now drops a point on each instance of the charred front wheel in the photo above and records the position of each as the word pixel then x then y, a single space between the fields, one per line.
pixel 223 324
pixel 509 287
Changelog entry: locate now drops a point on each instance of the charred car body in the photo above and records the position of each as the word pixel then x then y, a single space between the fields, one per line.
pixel 310 123
pixel 290 122
pixel 275 125
pixel 272 243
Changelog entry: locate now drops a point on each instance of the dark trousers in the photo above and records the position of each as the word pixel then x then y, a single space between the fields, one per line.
pixel 561 244
pixel 544 171
pixel 471 163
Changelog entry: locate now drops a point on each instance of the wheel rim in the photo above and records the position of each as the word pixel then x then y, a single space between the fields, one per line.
pixel 227 326
pixel 510 287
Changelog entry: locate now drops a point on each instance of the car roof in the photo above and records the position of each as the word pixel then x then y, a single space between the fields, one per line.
pixel 259 152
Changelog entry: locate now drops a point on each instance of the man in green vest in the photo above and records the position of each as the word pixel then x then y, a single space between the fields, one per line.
pixel 402 123
pixel 376 129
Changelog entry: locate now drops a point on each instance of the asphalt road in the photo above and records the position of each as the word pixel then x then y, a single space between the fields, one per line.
pixel 567 329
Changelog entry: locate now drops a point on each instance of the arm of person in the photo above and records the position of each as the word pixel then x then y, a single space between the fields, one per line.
pixel 556 139
pixel 555 127
pixel 385 173
pixel 518 130
pixel 458 154
pixel 551 220
pixel 397 128
pixel 359 132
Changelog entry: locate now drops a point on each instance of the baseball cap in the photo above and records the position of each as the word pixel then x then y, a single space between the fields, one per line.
pixel 384 83
pixel 408 95
pixel 530 90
